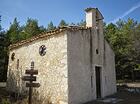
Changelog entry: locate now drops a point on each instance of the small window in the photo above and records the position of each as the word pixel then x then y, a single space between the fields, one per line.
pixel 97 51
pixel 42 50
pixel 17 63
pixel 13 56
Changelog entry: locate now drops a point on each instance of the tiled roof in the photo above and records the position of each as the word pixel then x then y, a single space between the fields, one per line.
pixel 46 34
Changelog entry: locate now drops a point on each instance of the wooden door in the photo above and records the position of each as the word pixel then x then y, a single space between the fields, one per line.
pixel 98 81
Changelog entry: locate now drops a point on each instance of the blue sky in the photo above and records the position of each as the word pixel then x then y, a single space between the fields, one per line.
pixel 69 10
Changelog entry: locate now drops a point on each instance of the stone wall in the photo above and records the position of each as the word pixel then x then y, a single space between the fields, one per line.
pixel 110 74
pixel 67 71
pixel 79 73
pixel 82 60
pixel 52 67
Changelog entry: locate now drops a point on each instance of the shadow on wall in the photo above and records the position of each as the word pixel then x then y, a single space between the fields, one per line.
pixel 15 85
pixel 19 92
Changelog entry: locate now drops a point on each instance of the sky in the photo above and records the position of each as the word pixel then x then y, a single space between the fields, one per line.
pixel 69 10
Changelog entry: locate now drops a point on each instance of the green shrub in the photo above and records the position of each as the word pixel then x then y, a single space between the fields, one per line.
pixel 5 101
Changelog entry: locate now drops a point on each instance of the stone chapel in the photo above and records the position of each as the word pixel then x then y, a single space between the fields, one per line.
pixel 75 64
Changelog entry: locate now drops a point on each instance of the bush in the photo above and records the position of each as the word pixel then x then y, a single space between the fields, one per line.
pixel 36 99
pixel 5 101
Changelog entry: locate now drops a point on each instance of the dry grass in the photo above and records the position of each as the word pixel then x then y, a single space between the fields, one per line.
pixel 36 99
pixel 7 98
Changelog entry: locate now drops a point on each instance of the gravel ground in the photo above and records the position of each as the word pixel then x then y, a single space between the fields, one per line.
pixel 125 95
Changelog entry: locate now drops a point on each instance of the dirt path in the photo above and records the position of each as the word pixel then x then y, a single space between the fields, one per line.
pixel 125 95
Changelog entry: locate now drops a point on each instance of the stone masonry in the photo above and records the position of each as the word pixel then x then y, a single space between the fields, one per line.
pixel 68 70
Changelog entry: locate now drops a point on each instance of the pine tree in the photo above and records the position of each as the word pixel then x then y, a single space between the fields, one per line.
pixel 13 32
pixel 31 28
pixel 3 55
pixel 51 26
pixel 124 38
pixel 82 23
pixel 0 24
pixel 62 23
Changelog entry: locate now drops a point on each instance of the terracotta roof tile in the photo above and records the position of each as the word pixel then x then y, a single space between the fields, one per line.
pixel 46 34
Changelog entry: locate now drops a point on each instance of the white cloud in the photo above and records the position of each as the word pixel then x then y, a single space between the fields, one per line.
pixel 126 13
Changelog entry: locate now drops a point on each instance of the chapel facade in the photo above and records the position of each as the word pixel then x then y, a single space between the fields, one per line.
pixel 75 64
